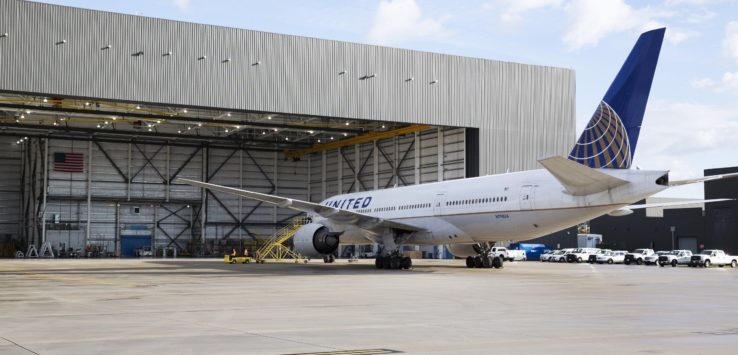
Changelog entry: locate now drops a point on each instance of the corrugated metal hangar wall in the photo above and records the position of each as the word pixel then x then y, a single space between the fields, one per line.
pixel 521 113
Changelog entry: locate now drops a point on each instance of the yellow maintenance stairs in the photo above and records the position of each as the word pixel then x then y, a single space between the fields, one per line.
pixel 274 249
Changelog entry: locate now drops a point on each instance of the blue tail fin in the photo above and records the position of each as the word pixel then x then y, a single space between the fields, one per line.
pixel 610 138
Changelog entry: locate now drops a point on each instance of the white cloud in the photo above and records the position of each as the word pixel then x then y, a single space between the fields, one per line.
pixel 730 42
pixel 687 137
pixel 397 21
pixel 591 21
pixel 513 10
pixel 182 5
pixel 728 83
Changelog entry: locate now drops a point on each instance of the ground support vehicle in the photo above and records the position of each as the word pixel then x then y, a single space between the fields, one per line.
pixel 637 256
pixel 710 257
pixel 676 257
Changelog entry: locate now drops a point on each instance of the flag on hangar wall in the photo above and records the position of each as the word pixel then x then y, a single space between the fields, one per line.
pixel 69 162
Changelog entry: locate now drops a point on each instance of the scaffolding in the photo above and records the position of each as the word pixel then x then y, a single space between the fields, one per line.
pixel 275 250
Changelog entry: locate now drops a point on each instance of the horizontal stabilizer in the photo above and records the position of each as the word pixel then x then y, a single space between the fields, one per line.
pixel 675 203
pixel 578 179
pixel 702 179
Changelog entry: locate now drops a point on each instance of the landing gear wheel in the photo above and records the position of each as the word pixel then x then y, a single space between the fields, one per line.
pixel 386 262
pixel 326 259
pixel 478 262
pixel 378 263
pixel 406 263
pixel 497 262
pixel 487 262
pixel 626 262
pixel 470 262
pixel 394 262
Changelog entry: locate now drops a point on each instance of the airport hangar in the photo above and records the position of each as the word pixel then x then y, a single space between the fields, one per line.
pixel 100 113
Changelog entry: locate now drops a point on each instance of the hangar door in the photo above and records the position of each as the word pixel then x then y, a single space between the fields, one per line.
pixel 129 244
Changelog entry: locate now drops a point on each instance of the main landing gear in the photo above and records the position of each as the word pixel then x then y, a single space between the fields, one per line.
pixel 393 262
pixel 484 260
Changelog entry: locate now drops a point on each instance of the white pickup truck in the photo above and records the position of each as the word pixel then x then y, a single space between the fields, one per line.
pixel 675 257
pixel 637 256
pixel 517 255
pixel 499 251
pixel 709 257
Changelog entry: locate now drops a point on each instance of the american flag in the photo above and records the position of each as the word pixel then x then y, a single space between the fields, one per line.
pixel 69 162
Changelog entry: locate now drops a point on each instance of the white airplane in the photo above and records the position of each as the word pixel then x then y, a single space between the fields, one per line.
pixel 470 215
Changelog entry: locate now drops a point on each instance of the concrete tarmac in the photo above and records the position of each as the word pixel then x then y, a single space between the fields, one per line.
pixel 203 306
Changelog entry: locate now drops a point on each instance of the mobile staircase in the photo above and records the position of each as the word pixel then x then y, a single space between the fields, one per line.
pixel 275 250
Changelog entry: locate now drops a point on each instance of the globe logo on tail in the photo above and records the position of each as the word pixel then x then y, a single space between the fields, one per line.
pixel 604 143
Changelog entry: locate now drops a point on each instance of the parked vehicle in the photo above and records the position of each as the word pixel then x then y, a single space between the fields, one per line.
pixel 501 252
pixel 709 257
pixel 637 256
pixel 547 254
pixel 144 251
pixel 612 257
pixel 593 257
pixel 581 254
pixel 654 259
pixel 675 257
pixel 516 255
pixel 560 256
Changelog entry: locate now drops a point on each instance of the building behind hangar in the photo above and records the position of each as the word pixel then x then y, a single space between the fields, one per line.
pixel 101 112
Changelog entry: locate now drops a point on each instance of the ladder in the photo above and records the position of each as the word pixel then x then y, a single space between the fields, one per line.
pixel 274 248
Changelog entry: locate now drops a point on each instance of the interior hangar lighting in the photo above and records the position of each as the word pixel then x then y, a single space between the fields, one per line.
pixel 4 35
pixel 46 100
pixel 64 41
pixel 106 47
pixel 166 54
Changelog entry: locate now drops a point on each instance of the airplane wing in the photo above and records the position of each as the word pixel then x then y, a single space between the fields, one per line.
pixel 676 203
pixel 702 179
pixel 578 179
pixel 335 214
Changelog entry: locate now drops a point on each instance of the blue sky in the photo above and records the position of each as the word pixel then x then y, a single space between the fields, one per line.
pixel 692 119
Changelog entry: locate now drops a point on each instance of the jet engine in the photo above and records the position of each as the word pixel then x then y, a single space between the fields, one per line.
pixel 315 240
pixel 464 250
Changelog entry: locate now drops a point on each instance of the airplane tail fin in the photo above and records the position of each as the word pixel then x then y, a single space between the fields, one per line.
pixel 610 138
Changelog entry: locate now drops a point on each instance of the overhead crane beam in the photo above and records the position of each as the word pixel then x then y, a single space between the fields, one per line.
pixel 184 119
pixel 364 138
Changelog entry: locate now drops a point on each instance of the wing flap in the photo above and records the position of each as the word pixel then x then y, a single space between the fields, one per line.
pixel 578 179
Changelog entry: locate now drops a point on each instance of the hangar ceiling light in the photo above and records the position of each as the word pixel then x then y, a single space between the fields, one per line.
pixel 4 35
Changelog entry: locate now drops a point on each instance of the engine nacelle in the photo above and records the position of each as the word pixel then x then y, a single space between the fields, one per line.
pixel 464 250
pixel 315 240
pixel 620 212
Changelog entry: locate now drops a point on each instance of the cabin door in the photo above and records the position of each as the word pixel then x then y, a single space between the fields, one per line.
pixel 439 203
pixel 526 197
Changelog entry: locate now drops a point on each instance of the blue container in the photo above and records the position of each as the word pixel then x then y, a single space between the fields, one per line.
pixel 532 251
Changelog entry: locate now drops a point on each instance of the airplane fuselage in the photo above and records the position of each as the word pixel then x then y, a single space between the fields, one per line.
pixel 515 206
